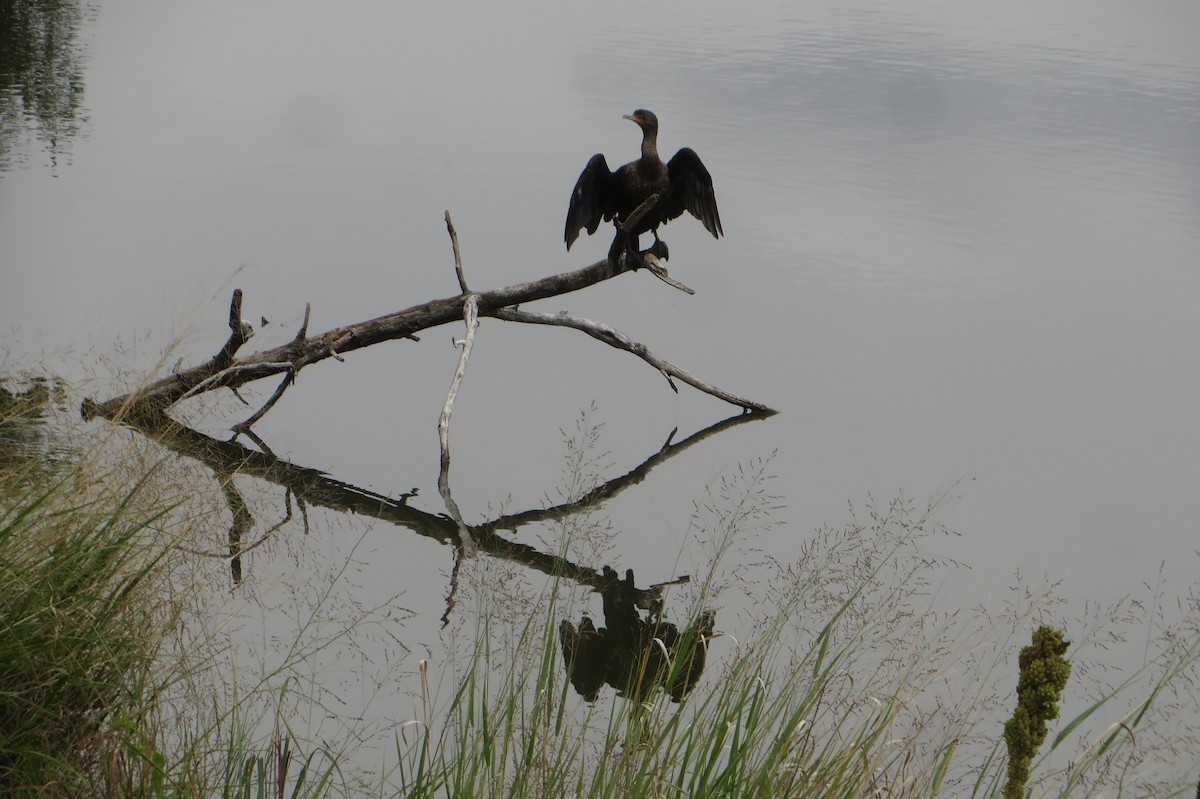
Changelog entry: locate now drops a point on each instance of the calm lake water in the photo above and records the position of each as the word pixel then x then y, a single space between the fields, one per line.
pixel 962 255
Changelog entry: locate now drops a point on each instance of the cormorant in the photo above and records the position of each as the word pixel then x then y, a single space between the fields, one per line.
pixel 682 184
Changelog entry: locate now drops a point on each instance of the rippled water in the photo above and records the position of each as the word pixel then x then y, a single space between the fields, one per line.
pixel 962 249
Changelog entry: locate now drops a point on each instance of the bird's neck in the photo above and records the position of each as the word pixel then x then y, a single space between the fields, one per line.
pixel 650 144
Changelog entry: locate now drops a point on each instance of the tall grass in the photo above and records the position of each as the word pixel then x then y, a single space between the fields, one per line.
pixel 78 609
pixel 110 684
pixel 842 679
pixel 837 673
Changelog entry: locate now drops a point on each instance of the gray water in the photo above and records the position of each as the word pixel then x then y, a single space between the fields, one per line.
pixel 962 255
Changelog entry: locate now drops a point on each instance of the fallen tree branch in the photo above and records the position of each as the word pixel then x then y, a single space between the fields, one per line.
pixel 615 338
pixel 654 266
pixel 288 379
pixel 470 316
pixel 166 391
pixel 224 377
pixel 627 224
pixel 240 332
pixel 466 544
pixel 225 370
pixel 458 270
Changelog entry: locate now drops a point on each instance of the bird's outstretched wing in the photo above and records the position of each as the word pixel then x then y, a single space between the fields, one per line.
pixel 591 200
pixel 692 191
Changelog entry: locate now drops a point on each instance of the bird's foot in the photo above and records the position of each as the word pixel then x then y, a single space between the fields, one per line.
pixel 631 258
pixel 634 259
pixel 659 250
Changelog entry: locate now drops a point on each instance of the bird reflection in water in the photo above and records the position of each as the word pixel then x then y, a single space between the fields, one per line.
pixel 682 184
pixel 632 654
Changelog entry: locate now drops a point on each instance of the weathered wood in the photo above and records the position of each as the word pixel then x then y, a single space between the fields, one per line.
pixel 341 340
pixel 227 370
pixel 458 270
pixel 470 308
pixel 239 331
pixel 615 338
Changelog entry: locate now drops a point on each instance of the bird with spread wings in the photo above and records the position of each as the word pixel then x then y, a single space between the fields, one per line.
pixel 681 184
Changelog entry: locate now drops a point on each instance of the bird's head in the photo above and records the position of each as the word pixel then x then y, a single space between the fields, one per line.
pixel 643 118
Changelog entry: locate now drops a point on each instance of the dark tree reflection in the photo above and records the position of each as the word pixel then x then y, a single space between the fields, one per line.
pixel 634 652
pixel 41 77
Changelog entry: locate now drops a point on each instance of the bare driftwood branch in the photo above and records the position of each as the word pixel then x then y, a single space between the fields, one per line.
pixel 224 377
pixel 302 333
pixel 466 544
pixel 630 221
pixel 615 338
pixel 655 267
pixel 288 379
pixel 470 314
pixel 458 270
pixel 225 370
pixel 166 391
pixel 239 332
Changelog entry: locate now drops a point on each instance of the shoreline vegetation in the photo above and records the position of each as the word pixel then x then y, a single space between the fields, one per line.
pixel 121 673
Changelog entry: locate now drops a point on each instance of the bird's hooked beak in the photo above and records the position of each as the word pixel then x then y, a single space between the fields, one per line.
pixel 633 119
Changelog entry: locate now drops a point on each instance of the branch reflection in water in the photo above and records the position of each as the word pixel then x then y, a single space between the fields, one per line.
pixel 631 653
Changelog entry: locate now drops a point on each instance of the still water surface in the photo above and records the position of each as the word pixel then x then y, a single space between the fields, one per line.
pixel 962 252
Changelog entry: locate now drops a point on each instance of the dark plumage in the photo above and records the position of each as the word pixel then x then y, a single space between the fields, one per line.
pixel 682 184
